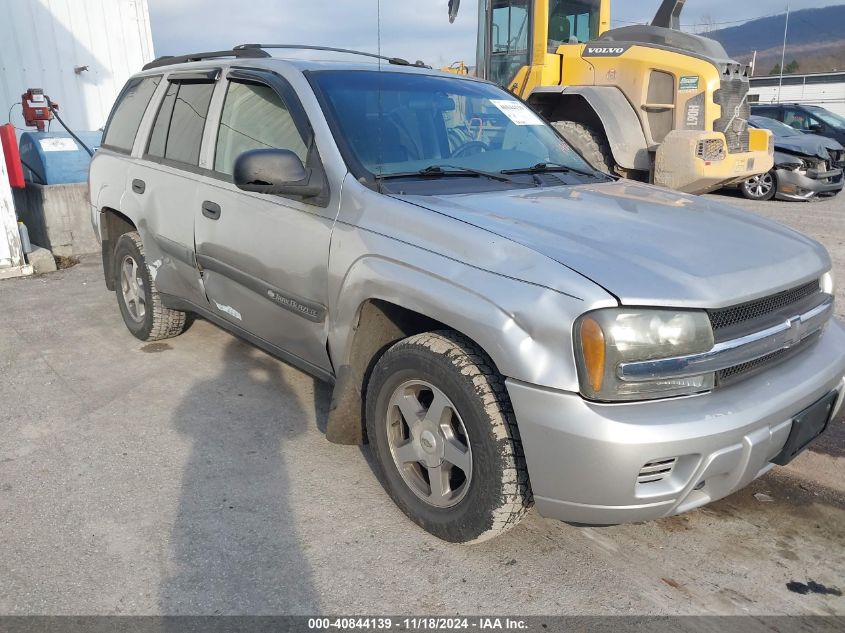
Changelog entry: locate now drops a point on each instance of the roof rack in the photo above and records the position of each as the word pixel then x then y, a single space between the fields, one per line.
pixel 397 61
pixel 239 53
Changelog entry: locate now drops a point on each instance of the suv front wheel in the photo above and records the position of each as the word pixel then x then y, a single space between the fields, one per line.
pixel 140 304
pixel 440 424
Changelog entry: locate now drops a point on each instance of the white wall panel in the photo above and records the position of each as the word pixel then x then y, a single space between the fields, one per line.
pixel 43 41
pixel 827 91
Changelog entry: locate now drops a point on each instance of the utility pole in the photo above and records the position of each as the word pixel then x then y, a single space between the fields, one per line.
pixel 783 54
pixel 754 63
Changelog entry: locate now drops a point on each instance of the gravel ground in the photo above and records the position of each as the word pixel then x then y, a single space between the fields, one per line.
pixel 193 477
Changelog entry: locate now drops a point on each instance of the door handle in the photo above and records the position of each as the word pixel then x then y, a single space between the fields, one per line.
pixel 139 186
pixel 211 210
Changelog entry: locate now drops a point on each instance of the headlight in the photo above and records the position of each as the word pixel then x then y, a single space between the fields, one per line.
pixel 827 283
pixel 606 338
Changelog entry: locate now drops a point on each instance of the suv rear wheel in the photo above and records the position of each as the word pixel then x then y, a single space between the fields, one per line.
pixel 441 427
pixel 140 304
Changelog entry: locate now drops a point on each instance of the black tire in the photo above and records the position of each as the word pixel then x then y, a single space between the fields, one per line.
pixel 591 144
pixel 498 493
pixel 157 322
pixel 761 187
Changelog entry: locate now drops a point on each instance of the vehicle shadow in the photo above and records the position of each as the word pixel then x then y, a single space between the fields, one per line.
pixel 235 548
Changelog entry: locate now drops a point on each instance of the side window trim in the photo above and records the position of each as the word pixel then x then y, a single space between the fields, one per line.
pixel 287 94
pixel 282 87
pixel 145 130
pixel 219 120
pixel 146 151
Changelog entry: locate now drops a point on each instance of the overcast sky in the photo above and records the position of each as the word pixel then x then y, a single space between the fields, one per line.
pixel 414 29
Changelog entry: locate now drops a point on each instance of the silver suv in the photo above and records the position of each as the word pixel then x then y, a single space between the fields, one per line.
pixel 504 325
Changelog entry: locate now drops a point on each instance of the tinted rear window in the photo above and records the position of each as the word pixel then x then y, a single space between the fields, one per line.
pixel 127 113
pixel 161 126
pixel 177 130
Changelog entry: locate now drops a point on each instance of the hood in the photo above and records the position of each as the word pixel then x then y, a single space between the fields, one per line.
pixel 808 145
pixel 643 244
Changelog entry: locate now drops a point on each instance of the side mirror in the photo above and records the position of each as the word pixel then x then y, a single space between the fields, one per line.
pixel 275 172
pixel 816 128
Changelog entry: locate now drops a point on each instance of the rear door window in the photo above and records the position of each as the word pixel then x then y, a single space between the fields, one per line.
pixel 799 119
pixel 771 113
pixel 179 124
pixel 254 117
pixel 127 113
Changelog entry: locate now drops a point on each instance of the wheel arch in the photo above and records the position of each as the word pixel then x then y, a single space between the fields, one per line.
pixel 379 324
pixel 601 107
pixel 113 224
pixel 380 304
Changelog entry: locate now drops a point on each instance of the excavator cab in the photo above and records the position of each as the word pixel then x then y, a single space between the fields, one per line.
pixel 517 29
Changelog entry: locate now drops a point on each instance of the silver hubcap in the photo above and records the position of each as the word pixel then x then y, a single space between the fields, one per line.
pixel 132 285
pixel 760 185
pixel 429 444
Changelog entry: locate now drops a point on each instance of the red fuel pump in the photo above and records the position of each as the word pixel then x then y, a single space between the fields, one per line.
pixel 37 110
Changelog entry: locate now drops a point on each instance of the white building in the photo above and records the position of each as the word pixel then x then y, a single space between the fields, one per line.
pixel 80 52
pixel 822 89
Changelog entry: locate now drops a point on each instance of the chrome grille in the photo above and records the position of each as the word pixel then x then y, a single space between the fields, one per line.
pixel 736 315
pixel 746 370
pixel 731 96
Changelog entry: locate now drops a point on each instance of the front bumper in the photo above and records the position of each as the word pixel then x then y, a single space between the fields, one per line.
pixel 584 458
pixel 678 166
pixel 793 185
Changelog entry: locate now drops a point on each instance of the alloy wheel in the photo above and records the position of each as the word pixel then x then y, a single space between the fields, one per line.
pixel 132 286
pixel 760 185
pixel 429 443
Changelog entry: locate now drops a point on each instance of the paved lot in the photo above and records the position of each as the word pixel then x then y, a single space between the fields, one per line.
pixel 194 477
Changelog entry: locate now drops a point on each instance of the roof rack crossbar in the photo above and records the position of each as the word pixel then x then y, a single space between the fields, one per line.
pixel 238 53
pixel 397 61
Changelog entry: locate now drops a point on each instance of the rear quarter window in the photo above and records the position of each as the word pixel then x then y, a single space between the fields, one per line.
pixel 127 113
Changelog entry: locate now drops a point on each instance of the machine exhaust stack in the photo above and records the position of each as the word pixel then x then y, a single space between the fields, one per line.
pixel 454 5
pixel 669 14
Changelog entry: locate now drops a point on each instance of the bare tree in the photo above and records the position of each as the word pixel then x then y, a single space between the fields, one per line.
pixel 707 24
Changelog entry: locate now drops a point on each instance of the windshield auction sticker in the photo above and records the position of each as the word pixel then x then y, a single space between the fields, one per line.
pixel 517 112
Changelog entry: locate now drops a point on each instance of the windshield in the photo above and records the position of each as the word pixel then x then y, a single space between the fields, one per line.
pixel 573 21
pixel 776 127
pixel 391 123
pixel 831 118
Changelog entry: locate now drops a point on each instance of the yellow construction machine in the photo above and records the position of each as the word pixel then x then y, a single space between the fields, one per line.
pixel 649 102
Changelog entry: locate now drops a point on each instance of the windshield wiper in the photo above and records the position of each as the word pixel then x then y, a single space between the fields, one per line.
pixel 547 168
pixel 441 171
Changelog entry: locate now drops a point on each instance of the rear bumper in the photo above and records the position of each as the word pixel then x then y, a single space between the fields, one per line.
pixel 793 185
pixel 584 458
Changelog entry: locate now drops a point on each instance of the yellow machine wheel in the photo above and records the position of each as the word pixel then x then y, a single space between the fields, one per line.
pixel 590 143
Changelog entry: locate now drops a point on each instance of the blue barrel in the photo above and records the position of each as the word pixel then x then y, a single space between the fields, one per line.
pixel 54 158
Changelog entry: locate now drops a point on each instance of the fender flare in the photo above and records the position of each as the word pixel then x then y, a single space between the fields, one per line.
pixel 610 106
pixel 498 329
